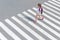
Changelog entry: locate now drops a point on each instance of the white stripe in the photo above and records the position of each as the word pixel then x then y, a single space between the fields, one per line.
pixel 58 0
pixel 27 28
pixel 58 28
pixel 53 31
pixel 18 29
pixel 51 8
pixel 53 18
pixel 37 27
pixel 52 0
pixel 2 37
pixel 52 14
pixel 54 3
pixel 9 31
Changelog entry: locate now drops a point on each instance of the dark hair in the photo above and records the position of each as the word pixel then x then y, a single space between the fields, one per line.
pixel 39 4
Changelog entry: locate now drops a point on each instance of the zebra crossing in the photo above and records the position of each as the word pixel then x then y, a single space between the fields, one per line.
pixel 56 2
pixel 22 26
pixel 2 37
pixel 8 31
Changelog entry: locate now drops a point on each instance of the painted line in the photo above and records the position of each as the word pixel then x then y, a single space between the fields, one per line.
pixel 37 27
pixel 58 28
pixel 4 27
pixel 18 29
pixel 51 18
pixel 50 8
pixel 2 37
pixel 52 14
pixel 54 4
pixel 53 31
pixel 27 28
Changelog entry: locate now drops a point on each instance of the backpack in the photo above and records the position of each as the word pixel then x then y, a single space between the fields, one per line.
pixel 40 10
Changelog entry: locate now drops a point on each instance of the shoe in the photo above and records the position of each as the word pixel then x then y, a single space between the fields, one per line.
pixel 42 18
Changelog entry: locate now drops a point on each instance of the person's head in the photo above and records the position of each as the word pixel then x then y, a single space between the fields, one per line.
pixel 39 5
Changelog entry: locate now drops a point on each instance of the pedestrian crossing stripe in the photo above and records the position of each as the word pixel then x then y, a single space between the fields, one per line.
pixel 56 2
pixel 18 21
pixel 4 27
pixel 53 6
pixel 19 30
pixel 38 28
pixel 50 8
pixel 46 25
pixel 46 15
pixel 57 17
pixel 2 37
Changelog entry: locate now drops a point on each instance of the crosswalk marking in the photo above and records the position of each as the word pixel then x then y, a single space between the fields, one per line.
pixel 50 8
pixel 58 28
pixel 54 4
pixel 53 31
pixel 38 28
pixel 2 37
pixel 18 30
pixel 58 0
pixel 26 27
pixel 27 21
pixel 6 34
pixel 52 14
pixel 49 4
pixel 4 27
pixel 52 17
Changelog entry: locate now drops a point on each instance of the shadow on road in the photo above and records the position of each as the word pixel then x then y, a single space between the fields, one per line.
pixel 30 19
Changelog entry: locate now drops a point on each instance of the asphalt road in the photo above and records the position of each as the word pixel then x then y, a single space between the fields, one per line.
pixel 9 8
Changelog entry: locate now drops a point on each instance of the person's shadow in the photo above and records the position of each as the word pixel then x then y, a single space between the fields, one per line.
pixel 29 18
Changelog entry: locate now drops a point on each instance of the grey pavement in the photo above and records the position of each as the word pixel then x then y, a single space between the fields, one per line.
pixel 9 8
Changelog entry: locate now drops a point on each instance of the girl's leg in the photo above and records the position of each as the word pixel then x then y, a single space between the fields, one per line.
pixel 40 16
pixel 36 17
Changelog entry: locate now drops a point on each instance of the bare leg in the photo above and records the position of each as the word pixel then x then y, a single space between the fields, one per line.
pixel 36 18
pixel 40 16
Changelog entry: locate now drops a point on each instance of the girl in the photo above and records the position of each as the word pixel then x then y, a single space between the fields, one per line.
pixel 39 12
